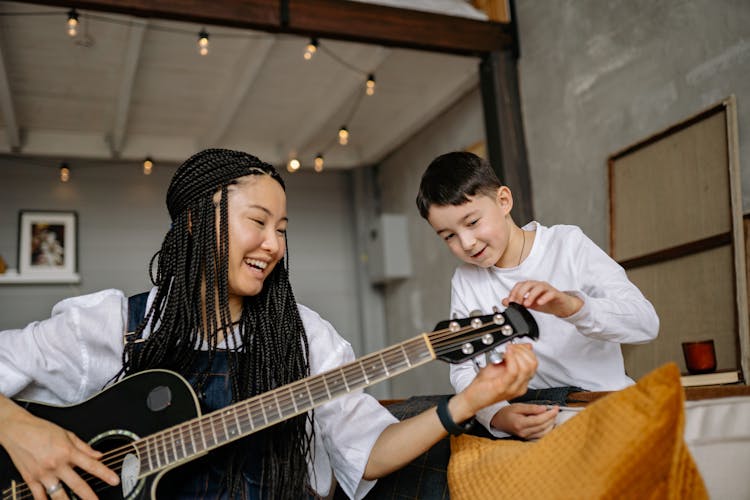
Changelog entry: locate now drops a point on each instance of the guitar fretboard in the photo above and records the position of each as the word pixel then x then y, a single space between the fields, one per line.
pixel 194 437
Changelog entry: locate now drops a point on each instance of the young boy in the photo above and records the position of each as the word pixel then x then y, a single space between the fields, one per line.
pixel 583 301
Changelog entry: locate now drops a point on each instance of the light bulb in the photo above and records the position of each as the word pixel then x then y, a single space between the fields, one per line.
pixel 318 162
pixel 148 165
pixel 343 136
pixel 370 85
pixel 72 22
pixel 64 172
pixel 203 43
pixel 293 165
pixel 311 48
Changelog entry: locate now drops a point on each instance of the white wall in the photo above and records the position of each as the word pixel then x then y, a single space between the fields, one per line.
pixel 122 219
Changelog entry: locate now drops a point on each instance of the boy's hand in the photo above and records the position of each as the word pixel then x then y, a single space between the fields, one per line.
pixel 526 421
pixel 543 297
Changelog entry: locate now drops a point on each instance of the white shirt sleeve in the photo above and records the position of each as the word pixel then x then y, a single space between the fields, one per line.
pixel 614 309
pixel 68 357
pixel 346 428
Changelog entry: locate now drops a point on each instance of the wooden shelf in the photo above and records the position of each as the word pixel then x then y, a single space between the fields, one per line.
pixel 11 277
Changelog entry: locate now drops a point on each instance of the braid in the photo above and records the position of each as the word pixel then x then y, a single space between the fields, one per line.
pixel 272 348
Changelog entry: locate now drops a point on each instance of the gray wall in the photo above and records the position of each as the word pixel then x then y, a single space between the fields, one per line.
pixel 122 219
pixel 596 76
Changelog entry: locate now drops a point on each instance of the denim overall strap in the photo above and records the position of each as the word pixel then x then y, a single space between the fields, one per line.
pixel 136 311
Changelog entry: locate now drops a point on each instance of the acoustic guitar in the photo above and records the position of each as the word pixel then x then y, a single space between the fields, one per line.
pixel 163 427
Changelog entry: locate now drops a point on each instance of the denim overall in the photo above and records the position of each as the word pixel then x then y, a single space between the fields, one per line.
pixel 201 478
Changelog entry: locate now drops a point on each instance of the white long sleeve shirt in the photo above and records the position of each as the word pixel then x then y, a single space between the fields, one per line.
pixel 73 354
pixel 582 350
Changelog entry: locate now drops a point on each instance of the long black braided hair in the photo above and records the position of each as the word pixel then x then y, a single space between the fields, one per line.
pixel 269 345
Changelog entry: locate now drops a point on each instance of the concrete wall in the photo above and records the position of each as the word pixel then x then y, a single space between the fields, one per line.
pixel 596 76
pixel 122 219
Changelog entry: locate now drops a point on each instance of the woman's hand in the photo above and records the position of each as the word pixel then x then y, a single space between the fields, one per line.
pixel 45 454
pixel 543 297
pixel 496 382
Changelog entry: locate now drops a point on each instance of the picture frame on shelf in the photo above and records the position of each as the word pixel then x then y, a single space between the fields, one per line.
pixel 47 244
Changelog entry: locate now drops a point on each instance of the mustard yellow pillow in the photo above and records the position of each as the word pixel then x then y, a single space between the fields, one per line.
pixel 628 444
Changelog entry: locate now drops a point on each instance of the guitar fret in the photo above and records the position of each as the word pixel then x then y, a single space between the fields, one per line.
pixel 147 454
pixel 263 410
pixel 237 424
pixel 174 445
pixel 213 430
pixel 156 453
pixel 364 373
pixel 165 449
pixel 224 424
pixel 203 437
pixel 294 403
pixel 309 394
pixel 182 442
pixel 278 405
pixel 343 377
pixel 325 384
pixel 406 356
pixel 385 366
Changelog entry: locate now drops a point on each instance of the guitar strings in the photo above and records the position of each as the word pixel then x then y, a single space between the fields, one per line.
pixel 317 388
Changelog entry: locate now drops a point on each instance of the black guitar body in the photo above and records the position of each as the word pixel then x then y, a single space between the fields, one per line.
pixel 136 407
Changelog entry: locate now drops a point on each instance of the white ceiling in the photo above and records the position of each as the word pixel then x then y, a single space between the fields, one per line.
pixel 128 87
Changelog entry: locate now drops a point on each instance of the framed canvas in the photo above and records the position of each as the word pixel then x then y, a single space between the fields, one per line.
pixel 676 226
pixel 47 243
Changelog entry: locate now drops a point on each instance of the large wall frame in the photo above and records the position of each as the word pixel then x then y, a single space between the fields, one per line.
pixel 676 226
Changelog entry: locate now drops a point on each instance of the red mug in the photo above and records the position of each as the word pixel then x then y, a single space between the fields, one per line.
pixel 700 356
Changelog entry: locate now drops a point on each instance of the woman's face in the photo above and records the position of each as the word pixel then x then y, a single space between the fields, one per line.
pixel 257 228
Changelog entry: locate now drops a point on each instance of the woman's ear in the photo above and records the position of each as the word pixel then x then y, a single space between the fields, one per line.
pixel 504 199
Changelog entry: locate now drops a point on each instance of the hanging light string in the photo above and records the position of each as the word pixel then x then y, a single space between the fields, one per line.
pixel 74 24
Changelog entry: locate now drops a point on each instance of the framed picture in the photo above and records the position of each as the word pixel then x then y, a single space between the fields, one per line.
pixel 47 243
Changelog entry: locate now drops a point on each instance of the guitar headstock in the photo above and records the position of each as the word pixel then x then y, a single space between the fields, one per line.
pixel 459 340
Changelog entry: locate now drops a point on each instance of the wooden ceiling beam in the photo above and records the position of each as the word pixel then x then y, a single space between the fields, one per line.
pixel 333 19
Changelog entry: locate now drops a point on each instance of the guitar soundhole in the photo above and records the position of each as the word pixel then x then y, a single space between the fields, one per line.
pixel 121 457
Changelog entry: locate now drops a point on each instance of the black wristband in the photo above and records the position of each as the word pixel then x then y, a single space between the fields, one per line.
pixel 447 421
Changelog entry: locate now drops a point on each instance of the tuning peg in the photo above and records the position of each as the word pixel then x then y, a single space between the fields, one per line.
pixel 496 357
pixel 475 313
pixel 453 326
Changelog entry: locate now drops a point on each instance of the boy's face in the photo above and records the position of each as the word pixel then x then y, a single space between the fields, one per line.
pixel 477 232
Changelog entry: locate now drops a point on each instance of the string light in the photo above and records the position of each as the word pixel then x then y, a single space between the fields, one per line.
pixel 311 48
pixel 72 22
pixel 64 172
pixel 203 42
pixel 148 165
pixel 318 162
pixel 370 85
pixel 293 165
pixel 343 136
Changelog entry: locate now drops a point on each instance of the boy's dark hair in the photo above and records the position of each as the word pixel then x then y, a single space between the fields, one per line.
pixel 452 177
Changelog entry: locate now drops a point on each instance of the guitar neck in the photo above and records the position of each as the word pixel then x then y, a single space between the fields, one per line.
pixel 184 442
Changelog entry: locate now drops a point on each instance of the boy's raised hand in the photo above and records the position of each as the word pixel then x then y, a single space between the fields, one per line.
pixel 543 297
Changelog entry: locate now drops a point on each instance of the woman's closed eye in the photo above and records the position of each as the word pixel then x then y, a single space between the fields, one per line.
pixel 472 223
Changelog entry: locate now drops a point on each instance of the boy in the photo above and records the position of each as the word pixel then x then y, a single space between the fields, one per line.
pixel 583 301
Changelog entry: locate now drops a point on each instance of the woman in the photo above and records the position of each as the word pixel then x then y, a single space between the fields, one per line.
pixel 223 315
